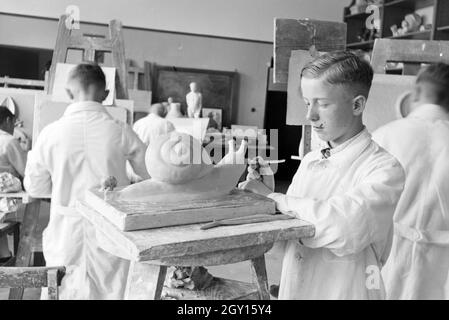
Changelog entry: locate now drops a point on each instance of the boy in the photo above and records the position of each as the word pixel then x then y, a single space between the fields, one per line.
pixel 12 160
pixel 72 155
pixel 348 191
pixel 419 261
pixel 153 125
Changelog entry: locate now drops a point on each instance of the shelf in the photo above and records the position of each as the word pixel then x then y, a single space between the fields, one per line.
pixel 360 45
pixel 410 4
pixel 419 35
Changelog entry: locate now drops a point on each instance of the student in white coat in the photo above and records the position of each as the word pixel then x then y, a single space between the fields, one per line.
pixel 418 266
pixel 348 191
pixel 12 160
pixel 153 125
pixel 70 156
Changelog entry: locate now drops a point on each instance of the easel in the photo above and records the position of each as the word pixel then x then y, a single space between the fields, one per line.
pixel 89 45
pixel 141 95
pixel 312 35
pixel 136 72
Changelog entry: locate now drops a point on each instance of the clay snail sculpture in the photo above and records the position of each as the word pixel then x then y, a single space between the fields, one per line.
pixel 181 169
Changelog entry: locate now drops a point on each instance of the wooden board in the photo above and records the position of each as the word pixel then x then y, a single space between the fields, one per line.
pixel 409 51
pixel 135 215
pixel 296 108
pixel 220 289
pixel 24 102
pixel 292 34
pixel 381 105
pixel 47 111
pixel 141 98
pixel 190 240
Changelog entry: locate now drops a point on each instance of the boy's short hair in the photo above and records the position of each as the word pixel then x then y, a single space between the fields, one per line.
pixel 438 75
pixel 88 74
pixel 341 68
pixel 5 113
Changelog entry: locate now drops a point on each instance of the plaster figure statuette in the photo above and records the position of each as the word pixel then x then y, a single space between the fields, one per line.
pixel 194 101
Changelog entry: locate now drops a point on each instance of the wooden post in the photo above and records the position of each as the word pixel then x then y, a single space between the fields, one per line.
pixel 23 258
pixel 260 272
pixel 145 281
pixel 118 56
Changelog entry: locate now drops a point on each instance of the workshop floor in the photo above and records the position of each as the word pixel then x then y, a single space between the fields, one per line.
pixel 239 271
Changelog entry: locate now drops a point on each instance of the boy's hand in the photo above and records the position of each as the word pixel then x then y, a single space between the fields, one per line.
pixel 255 186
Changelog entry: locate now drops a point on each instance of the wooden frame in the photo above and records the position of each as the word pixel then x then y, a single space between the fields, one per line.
pixel 217 87
pixel 411 52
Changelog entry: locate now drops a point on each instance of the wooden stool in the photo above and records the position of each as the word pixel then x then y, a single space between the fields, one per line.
pixel 34 277
pixel 155 273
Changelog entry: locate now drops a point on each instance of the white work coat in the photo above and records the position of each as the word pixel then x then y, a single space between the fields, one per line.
pixel 70 156
pixel 418 266
pixel 350 198
pixel 151 126
pixel 12 156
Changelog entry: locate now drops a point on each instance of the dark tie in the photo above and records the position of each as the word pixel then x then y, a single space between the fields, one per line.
pixel 326 153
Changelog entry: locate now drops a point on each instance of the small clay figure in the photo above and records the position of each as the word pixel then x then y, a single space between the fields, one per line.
pixel 194 101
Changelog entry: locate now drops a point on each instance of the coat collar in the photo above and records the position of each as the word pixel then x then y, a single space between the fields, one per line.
pixel 429 112
pixel 347 151
pixel 84 106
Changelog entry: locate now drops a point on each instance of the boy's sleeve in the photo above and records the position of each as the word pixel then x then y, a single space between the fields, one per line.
pixel 17 157
pixel 135 152
pixel 37 180
pixel 348 223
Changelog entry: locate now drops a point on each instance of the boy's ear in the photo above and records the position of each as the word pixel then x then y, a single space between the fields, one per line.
pixel 69 93
pixel 106 93
pixel 358 105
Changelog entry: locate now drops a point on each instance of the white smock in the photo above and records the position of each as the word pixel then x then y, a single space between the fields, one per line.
pixel 152 126
pixel 418 266
pixel 70 156
pixel 350 198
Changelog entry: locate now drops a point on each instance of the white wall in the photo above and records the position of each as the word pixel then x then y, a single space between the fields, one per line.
pixel 249 59
pixel 246 19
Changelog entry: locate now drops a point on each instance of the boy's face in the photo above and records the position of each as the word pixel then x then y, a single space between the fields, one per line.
pixel 332 110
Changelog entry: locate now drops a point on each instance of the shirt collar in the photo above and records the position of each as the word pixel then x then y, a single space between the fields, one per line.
pixel 84 106
pixel 349 149
pixel 429 111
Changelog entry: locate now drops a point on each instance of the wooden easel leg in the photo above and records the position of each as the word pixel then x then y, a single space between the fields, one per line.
pixel 145 281
pixel 23 257
pixel 260 273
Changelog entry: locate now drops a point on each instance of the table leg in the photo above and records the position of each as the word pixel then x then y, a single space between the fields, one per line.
pixel 145 281
pixel 260 272
pixel 23 257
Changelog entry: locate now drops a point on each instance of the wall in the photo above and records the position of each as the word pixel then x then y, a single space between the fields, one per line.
pixel 249 59
pixel 247 19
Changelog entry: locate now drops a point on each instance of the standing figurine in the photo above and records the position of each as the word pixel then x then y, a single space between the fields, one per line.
pixel 194 101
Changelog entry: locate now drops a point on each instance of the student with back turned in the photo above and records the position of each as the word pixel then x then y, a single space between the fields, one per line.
pixel 348 191
pixel 418 266
pixel 72 155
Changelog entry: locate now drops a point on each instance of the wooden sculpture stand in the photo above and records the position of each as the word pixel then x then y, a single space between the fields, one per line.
pixel 151 251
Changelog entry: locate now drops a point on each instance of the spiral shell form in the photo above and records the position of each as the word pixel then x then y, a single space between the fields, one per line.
pixel 177 158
